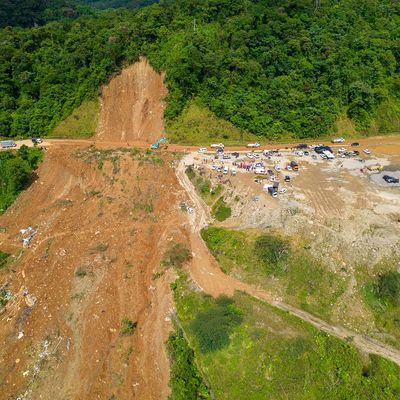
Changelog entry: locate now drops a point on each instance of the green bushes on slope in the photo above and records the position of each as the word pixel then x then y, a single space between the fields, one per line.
pixel 270 68
pixel 15 172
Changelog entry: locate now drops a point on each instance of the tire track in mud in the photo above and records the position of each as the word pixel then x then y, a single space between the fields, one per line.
pixel 206 273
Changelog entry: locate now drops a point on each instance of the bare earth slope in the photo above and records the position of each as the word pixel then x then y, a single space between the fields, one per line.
pixel 132 106
pixel 101 235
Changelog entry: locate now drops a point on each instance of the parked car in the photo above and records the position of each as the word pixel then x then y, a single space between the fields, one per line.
pixel 270 172
pixel 235 154
pixel 253 145
pixel 36 140
pixel 294 165
pixel 390 179
pixel 354 144
pixel 338 140
pixel 283 190
pixel 287 178
pixel 277 168
pixel 216 145
pixel 302 146
pixel 367 151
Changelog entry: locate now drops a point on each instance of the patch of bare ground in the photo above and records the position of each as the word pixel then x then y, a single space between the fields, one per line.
pixel 103 221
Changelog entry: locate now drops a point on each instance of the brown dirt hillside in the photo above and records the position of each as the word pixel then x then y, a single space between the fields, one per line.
pixel 103 225
pixel 132 106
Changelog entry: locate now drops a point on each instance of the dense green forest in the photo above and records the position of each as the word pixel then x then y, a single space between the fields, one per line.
pixel 103 4
pixel 16 172
pixel 270 67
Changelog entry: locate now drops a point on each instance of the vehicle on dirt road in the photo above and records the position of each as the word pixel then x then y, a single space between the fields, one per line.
pixel 36 140
pixel 202 150
pixel 217 145
pixel 294 165
pixel 367 151
pixel 8 144
pixel 287 178
pixel 338 140
pixel 354 144
pixel 390 179
pixel 253 145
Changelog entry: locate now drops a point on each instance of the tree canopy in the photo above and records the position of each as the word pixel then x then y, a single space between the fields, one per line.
pixel 270 67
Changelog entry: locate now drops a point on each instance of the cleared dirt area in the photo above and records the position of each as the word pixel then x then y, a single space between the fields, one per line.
pixel 101 233
pixel 132 106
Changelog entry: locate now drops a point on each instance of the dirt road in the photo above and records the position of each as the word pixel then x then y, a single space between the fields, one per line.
pixel 209 277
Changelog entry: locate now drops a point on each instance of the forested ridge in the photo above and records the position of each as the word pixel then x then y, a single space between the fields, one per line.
pixel 270 67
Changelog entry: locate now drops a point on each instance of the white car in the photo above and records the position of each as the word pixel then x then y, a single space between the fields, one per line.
pixel 214 167
pixel 366 151
pixel 338 140
pixel 277 168
pixel 300 153
pixel 283 190
pixel 190 210
pixel 289 167
pixel 342 150
pixel 217 145
pixel 202 150
pixel 226 170
pixel 253 144
pixel 250 155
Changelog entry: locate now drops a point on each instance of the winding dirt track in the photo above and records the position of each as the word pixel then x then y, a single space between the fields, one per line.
pixel 206 273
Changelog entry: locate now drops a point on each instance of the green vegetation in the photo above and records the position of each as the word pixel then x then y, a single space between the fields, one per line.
pixel 272 355
pixel 220 210
pixel 279 266
pixel 186 382
pixel 127 327
pixel 272 251
pixel 274 69
pixel 177 255
pixel 383 297
pixel 212 196
pixel 4 257
pixel 82 123
pixel 16 172
pixel 103 4
pixel 213 326
pixel 197 125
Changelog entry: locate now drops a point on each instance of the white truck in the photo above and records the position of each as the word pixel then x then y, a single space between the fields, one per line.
pixel 217 145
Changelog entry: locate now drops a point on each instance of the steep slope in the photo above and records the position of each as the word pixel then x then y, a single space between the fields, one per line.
pixel 132 106
pixel 102 228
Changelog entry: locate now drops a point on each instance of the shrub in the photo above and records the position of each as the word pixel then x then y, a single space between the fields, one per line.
pixel 213 327
pixel 186 382
pixel 221 211
pixel 271 249
pixel 3 259
pixel 176 255
pixel 388 287
pixel 127 327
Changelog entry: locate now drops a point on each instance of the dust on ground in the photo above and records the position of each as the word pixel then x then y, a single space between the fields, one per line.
pixel 132 105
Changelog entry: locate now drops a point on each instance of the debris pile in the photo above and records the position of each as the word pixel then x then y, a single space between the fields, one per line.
pixel 27 235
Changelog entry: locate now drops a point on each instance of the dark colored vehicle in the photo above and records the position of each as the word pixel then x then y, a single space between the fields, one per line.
pixel 302 146
pixel 321 149
pixel 294 165
pixel 355 144
pixel 306 153
pixel 235 154
pixel 272 191
pixel 270 172
pixel 356 153
pixel 220 150
pixel 287 178
pixel 390 179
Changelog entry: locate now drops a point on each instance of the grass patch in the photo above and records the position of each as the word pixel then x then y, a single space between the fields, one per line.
pixel 382 295
pixel 127 327
pixel 276 265
pixel 185 381
pixel 100 247
pixel 197 125
pixel 220 210
pixel 82 123
pixel 213 326
pixel 4 257
pixel 176 255
pixel 5 297
pixel 273 355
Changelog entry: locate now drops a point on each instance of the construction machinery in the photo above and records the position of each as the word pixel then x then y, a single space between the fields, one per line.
pixel 157 144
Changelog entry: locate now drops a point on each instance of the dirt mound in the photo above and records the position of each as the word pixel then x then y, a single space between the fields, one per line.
pixel 132 106
pixel 102 228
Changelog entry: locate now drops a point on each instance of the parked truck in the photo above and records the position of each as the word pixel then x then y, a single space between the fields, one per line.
pixel 8 144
